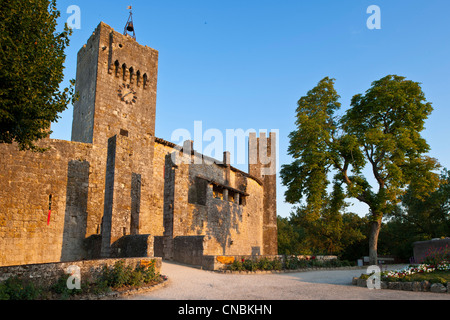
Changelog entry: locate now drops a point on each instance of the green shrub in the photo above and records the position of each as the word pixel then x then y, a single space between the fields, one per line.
pixel 3 292
pixel 19 289
pixel 264 264
pixel 120 275
pixel 250 265
pixel 236 266
pixel 60 288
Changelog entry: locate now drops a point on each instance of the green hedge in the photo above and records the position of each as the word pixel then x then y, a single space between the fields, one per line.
pixel 289 263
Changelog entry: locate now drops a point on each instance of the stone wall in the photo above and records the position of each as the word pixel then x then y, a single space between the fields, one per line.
pixel 69 180
pixel 189 249
pixel 421 248
pixel 47 274
pixel 208 199
pixel 34 183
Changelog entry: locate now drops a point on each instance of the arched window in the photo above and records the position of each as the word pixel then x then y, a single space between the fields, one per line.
pixel 124 72
pixel 145 80
pixel 131 75
pixel 138 76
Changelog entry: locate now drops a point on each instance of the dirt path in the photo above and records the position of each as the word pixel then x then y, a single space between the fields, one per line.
pixel 188 283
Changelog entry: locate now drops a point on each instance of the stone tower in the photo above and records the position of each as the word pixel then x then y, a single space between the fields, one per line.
pixel 262 165
pixel 117 82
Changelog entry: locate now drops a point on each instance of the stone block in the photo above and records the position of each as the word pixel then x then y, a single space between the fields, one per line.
pixel 407 286
pixel 425 286
pixel 438 288
pixel 362 283
pixel 395 285
pixel 416 286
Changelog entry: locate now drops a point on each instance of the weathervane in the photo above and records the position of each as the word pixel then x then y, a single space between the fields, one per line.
pixel 129 27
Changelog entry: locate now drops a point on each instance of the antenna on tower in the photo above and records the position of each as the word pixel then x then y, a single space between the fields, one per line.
pixel 129 27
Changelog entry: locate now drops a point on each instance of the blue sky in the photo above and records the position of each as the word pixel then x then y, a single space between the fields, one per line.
pixel 244 64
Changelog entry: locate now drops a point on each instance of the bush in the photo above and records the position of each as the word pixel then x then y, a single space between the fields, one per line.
pixel 293 263
pixel 236 266
pixel 250 265
pixel 18 289
pixel 60 288
pixel 120 275
pixel 290 263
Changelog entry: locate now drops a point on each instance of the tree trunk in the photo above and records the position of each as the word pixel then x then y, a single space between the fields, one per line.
pixel 375 227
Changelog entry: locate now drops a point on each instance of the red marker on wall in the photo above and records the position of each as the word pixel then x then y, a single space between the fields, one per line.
pixel 49 209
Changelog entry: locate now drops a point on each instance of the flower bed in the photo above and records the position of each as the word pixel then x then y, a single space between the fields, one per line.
pixel 407 273
pixel 424 277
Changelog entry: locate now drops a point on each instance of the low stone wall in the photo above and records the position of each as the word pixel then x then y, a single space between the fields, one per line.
pixel 423 286
pixel 188 249
pixel 47 274
pixel 215 263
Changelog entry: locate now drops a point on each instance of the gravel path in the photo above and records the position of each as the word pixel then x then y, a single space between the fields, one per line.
pixel 186 283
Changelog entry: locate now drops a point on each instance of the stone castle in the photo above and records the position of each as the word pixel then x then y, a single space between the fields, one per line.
pixel 116 190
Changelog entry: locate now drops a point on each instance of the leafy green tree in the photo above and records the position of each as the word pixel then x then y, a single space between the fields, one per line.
pixel 291 238
pixel 380 131
pixel 31 70
pixel 430 215
pixel 419 218
pixel 333 230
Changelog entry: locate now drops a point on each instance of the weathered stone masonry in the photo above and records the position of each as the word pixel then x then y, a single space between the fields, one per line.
pixel 116 190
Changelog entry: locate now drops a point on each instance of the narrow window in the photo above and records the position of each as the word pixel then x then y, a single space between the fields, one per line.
pixel 145 80
pixel 131 75
pixel 124 72
pixel 138 76
pixel 116 64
